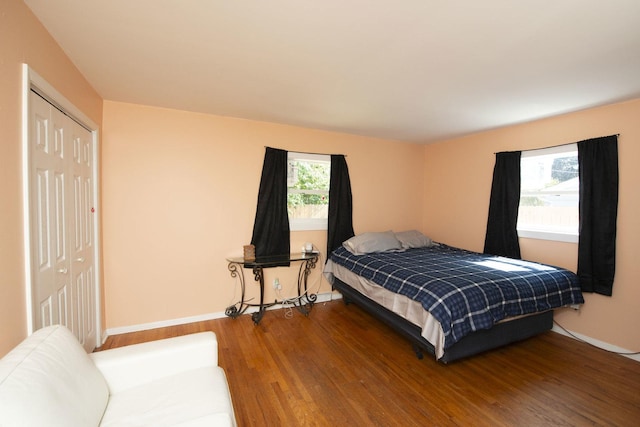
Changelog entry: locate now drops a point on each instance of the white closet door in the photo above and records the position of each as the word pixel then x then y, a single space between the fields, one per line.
pixel 81 236
pixel 61 228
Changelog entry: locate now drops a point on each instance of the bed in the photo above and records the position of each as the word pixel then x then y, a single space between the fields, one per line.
pixel 449 302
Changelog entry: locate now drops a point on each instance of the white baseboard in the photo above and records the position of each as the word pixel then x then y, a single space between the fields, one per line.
pixel 329 296
pixel 597 343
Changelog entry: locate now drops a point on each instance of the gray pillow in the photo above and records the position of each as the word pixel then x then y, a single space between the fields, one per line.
pixel 372 242
pixel 413 239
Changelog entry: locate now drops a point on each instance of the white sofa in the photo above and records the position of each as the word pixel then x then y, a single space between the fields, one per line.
pixel 49 380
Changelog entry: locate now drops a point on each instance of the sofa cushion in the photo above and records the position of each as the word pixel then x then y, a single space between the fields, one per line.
pixel 199 397
pixel 133 365
pixel 49 380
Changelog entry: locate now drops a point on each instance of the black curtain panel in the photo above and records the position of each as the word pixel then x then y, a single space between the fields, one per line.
pixel 340 225
pixel 271 226
pixel 502 236
pixel 598 164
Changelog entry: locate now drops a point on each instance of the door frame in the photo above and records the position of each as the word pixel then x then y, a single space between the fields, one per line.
pixel 32 80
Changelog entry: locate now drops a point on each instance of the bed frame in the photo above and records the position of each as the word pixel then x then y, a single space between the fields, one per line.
pixel 501 334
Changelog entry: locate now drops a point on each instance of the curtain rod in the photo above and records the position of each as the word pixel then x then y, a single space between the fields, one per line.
pixel 557 145
pixel 306 152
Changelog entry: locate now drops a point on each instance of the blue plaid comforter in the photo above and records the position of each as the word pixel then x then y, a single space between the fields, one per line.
pixel 466 291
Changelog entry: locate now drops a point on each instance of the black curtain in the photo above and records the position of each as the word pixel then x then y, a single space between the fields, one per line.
pixel 340 223
pixel 598 163
pixel 271 226
pixel 502 236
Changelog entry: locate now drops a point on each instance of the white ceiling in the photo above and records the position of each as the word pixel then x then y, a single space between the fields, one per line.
pixel 412 70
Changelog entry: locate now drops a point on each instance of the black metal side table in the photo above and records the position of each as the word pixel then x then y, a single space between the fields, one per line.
pixel 303 301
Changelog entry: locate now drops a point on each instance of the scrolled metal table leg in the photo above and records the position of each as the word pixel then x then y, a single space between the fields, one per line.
pixel 259 277
pixel 240 307
pixel 305 300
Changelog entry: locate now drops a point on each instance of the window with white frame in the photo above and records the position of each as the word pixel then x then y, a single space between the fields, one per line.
pixel 308 178
pixel 549 194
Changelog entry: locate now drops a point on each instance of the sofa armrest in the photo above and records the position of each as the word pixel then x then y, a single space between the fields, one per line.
pixel 132 365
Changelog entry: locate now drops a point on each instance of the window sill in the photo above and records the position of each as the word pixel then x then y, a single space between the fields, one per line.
pixel 307 224
pixel 549 235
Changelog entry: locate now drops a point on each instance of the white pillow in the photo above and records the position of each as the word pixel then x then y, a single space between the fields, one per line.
pixel 413 239
pixel 372 242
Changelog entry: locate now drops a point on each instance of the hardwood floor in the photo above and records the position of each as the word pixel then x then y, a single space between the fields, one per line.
pixel 341 367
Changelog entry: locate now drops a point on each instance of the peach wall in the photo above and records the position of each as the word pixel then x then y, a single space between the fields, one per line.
pixel 24 40
pixel 458 177
pixel 179 196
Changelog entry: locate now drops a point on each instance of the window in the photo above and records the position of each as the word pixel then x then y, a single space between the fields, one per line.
pixel 549 194
pixel 308 178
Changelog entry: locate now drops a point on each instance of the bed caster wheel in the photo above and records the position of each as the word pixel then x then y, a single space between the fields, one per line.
pixel 418 352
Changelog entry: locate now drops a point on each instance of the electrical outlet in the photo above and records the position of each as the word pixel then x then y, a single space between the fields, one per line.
pixel 276 284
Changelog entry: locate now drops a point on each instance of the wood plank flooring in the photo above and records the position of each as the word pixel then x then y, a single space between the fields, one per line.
pixel 339 367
